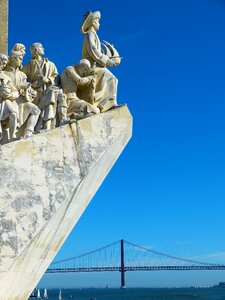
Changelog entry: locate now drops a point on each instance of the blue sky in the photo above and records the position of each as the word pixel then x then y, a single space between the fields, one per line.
pixel 167 189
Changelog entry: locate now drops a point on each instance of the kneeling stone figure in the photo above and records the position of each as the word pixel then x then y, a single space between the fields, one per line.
pixel 74 78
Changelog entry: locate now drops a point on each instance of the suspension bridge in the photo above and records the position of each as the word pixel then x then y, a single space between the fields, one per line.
pixel 123 256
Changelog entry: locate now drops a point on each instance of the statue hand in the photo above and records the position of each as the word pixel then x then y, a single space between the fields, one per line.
pixel 110 63
pixel 45 80
pixel 86 80
pixel 14 95
pixel 24 85
pixel 90 77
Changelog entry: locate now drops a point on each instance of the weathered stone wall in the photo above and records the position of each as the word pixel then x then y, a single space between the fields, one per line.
pixel 47 182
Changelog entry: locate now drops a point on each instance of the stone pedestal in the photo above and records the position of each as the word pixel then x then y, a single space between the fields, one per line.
pixel 47 182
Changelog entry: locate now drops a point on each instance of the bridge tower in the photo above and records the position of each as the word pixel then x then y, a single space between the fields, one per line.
pixel 122 270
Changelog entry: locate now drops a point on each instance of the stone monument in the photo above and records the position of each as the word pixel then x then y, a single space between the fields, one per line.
pixel 51 175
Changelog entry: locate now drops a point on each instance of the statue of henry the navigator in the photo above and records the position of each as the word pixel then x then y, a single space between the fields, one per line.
pixel 106 82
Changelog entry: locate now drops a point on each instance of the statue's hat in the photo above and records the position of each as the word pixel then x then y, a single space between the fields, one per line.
pixel 88 19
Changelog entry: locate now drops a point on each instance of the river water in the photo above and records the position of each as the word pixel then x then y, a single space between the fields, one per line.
pixel 139 294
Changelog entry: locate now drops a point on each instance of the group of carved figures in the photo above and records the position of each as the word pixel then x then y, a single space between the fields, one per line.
pixel 34 97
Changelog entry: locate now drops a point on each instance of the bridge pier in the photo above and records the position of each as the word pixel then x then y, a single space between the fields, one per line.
pixel 123 285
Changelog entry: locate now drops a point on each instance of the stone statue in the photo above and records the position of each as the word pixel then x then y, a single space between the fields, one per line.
pixel 28 112
pixel 106 82
pixel 44 78
pixel 42 101
pixel 73 78
pixel 3 76
pixel 8 114
pixel 8 93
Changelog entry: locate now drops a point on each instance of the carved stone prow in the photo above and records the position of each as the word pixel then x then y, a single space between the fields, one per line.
pixel 4 26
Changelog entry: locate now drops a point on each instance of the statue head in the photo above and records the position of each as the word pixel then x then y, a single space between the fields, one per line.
pixel 83 67
pixel 19 47
pixel 37 49
pixel 15 59
pixel 3 61
pixel 91 20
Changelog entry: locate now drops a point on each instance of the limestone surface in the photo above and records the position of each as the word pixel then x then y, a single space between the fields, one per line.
pixel 47 182
pixel 4 26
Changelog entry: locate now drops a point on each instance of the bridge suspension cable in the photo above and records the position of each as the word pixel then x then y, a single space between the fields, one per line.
pixel 125 256
pixel 169 256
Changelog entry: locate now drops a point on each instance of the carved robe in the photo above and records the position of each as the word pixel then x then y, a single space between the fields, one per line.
pixel 71 81
pixel 47 94
pixel 24 109
pixel 106 82
pixel 34 69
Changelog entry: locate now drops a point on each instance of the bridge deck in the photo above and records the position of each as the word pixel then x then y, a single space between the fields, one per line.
pixel 138 268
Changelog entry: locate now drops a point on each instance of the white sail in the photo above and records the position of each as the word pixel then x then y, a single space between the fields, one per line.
pixel 45 294
pixel 38 294
pixel 60 294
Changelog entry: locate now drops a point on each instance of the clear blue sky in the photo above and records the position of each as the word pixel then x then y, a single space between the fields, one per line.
pixel 167 190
